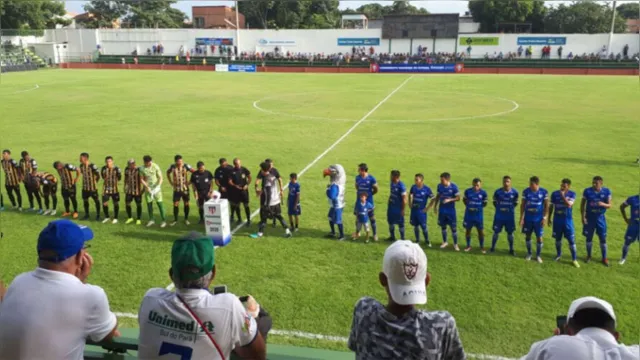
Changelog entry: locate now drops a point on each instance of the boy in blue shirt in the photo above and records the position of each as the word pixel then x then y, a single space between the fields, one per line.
pixel 397 203
pixel 362 210
pixel 475 199
pixel 633 224
pixel 505 201
pixel 595 202
pixel 562 219
pixel 533 214
pixel 419 196
pixel 293 202
pixel 447 195
pixel 365 182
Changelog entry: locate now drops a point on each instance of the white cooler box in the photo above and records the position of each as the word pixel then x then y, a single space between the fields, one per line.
pixel 216 221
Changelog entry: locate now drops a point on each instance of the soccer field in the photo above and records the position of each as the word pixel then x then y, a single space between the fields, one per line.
pixel 469 125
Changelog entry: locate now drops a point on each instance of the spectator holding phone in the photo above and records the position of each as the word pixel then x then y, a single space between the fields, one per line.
pixel 192 323
pixel 398 330
pixel 49 313
pixel 589 333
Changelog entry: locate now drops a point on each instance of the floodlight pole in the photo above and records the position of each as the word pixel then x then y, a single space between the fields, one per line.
pixel 237 28
pixel 613 24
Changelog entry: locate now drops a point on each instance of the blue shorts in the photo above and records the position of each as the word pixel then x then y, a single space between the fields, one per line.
pixel 394 217
pixel 418 218
pixel 470 223
pixel 562 229
pixel 335 216
pixel 633 234
pixel 533 227
pixel 294 209
pixel 508 224
pixel 447 219
pixel 597 225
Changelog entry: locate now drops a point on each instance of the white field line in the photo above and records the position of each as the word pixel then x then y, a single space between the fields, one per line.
pixel 319 157
pixel 24 91
pixel 333 338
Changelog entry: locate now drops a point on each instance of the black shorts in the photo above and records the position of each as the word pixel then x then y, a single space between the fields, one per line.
pixel 69 192
pixel 128 198
pixel 184 195
pixel 86 194
pixel 115 197
pixel 270 212
pixel 202 198
pixel 224 194
pixel 238 196
pixel 12 188
pixel 50 189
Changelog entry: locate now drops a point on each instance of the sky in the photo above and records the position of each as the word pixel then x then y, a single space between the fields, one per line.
pixel 436 7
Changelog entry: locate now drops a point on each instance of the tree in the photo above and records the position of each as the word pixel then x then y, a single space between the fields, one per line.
pixel 104 13
pixel 628 10
pixel 405 8
pixel 490 13
pixel 31 15
pixel 282 14
pixel 583 17
pixel 154 14
pixel 374 11
pixel 256 12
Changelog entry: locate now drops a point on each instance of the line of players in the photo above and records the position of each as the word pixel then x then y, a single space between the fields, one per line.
pixel 536 208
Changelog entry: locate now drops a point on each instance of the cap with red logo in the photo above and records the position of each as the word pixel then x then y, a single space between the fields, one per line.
pixel 405 265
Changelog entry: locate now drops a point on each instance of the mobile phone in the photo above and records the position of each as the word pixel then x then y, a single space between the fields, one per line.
pixel 561 321
pixel 220 289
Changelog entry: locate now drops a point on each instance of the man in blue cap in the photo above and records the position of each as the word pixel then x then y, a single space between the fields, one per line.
pixel 49 313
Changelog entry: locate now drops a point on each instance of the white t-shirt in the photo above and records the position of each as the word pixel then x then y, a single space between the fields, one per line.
pixel 271 184
pixel 168 331
pixel 589 343
pixel 50 314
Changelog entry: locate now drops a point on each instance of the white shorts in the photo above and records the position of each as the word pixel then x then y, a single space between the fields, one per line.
pixel 360 225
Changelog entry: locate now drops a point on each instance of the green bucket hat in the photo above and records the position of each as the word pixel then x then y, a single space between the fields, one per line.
pixel 192 257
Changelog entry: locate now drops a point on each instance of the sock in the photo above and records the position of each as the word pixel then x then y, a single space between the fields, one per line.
pixel 139 210
pixel 333 227
pixel 129 212
pixel 1 200
pixel 201 212
pixel 282 221
pixel 30 196
pixel 603 249
pixel 589 247
pixel 261 227
pixel 416 232
pixel 572 248
pixel 105 209
pixel 46 203
pixel 454 235
pixel 392 231
pixel 66 204
pixel 54 199
pixel 161 209
pixel 528 242
pixel 19 197
pixel 176 210
pixel 625 251
pixel 74 202
pixel 558 248
pixel 247 213
pixel 341 228
pixel 186 212
pixel 425 233
pixel 11 198
pixel 116 210
pixel 494 241
pixel 401 229
pixel 150 210
pixel 481 238
pixel 468 237
pixel 97 203
pixel 86 207
pixel 39 201
pixel 510 239
pixel 538 248
pixel 444 235
pixel 374 227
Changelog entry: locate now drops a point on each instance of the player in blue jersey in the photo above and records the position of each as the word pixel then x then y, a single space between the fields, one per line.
pixel 293 201
pixel 446 197
pixel 362 210
pixel 633 224
pixel 561 215
pixel 475 199
pixel 419 196
pixel 533 214
pixel 595 202
pixel 368 184
pixel 505 201
pixel 397 203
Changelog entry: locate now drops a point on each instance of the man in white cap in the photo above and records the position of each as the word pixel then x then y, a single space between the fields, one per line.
pixel 591 334
pixel 398 330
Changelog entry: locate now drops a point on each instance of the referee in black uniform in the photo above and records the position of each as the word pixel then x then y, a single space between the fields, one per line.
pixel 239 180
pixel 202 181
pixel 222 177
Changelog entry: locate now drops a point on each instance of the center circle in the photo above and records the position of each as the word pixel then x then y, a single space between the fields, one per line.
pixel 440 104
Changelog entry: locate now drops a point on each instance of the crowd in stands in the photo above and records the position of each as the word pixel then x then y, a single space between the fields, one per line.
pixel 49 313
pixel 527 52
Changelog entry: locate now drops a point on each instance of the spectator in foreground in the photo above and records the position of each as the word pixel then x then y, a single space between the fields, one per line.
pixel 398 330
pixel 49 313
pixel 590 334
pixel 169 321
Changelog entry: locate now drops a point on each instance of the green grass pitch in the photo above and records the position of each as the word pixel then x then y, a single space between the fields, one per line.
pixel 471 126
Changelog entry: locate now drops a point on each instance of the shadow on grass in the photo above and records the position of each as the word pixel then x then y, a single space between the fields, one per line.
pixel 598 162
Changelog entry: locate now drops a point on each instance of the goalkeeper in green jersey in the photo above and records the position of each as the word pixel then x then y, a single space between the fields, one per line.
pixel 152 181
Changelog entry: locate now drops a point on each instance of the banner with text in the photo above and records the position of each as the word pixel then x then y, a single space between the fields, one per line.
pixel 242 67
pixel 222 67
pixel 268 42
pixel 214 41
pixel 418 68
pixel 559 40
pixel 358 41
pixel 480 41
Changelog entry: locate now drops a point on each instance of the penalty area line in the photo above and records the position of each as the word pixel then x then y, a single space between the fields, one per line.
pixel 319 157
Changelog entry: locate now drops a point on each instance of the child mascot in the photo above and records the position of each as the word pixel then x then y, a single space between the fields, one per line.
pixel 335 193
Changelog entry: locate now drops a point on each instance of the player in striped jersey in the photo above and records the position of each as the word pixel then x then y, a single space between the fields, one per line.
pixel 28 167
pixel 48 187
pixel 12 179
pixel 90 177
pixel 133 191
pixel 178 175
pixel 69 175
pixel 111 176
